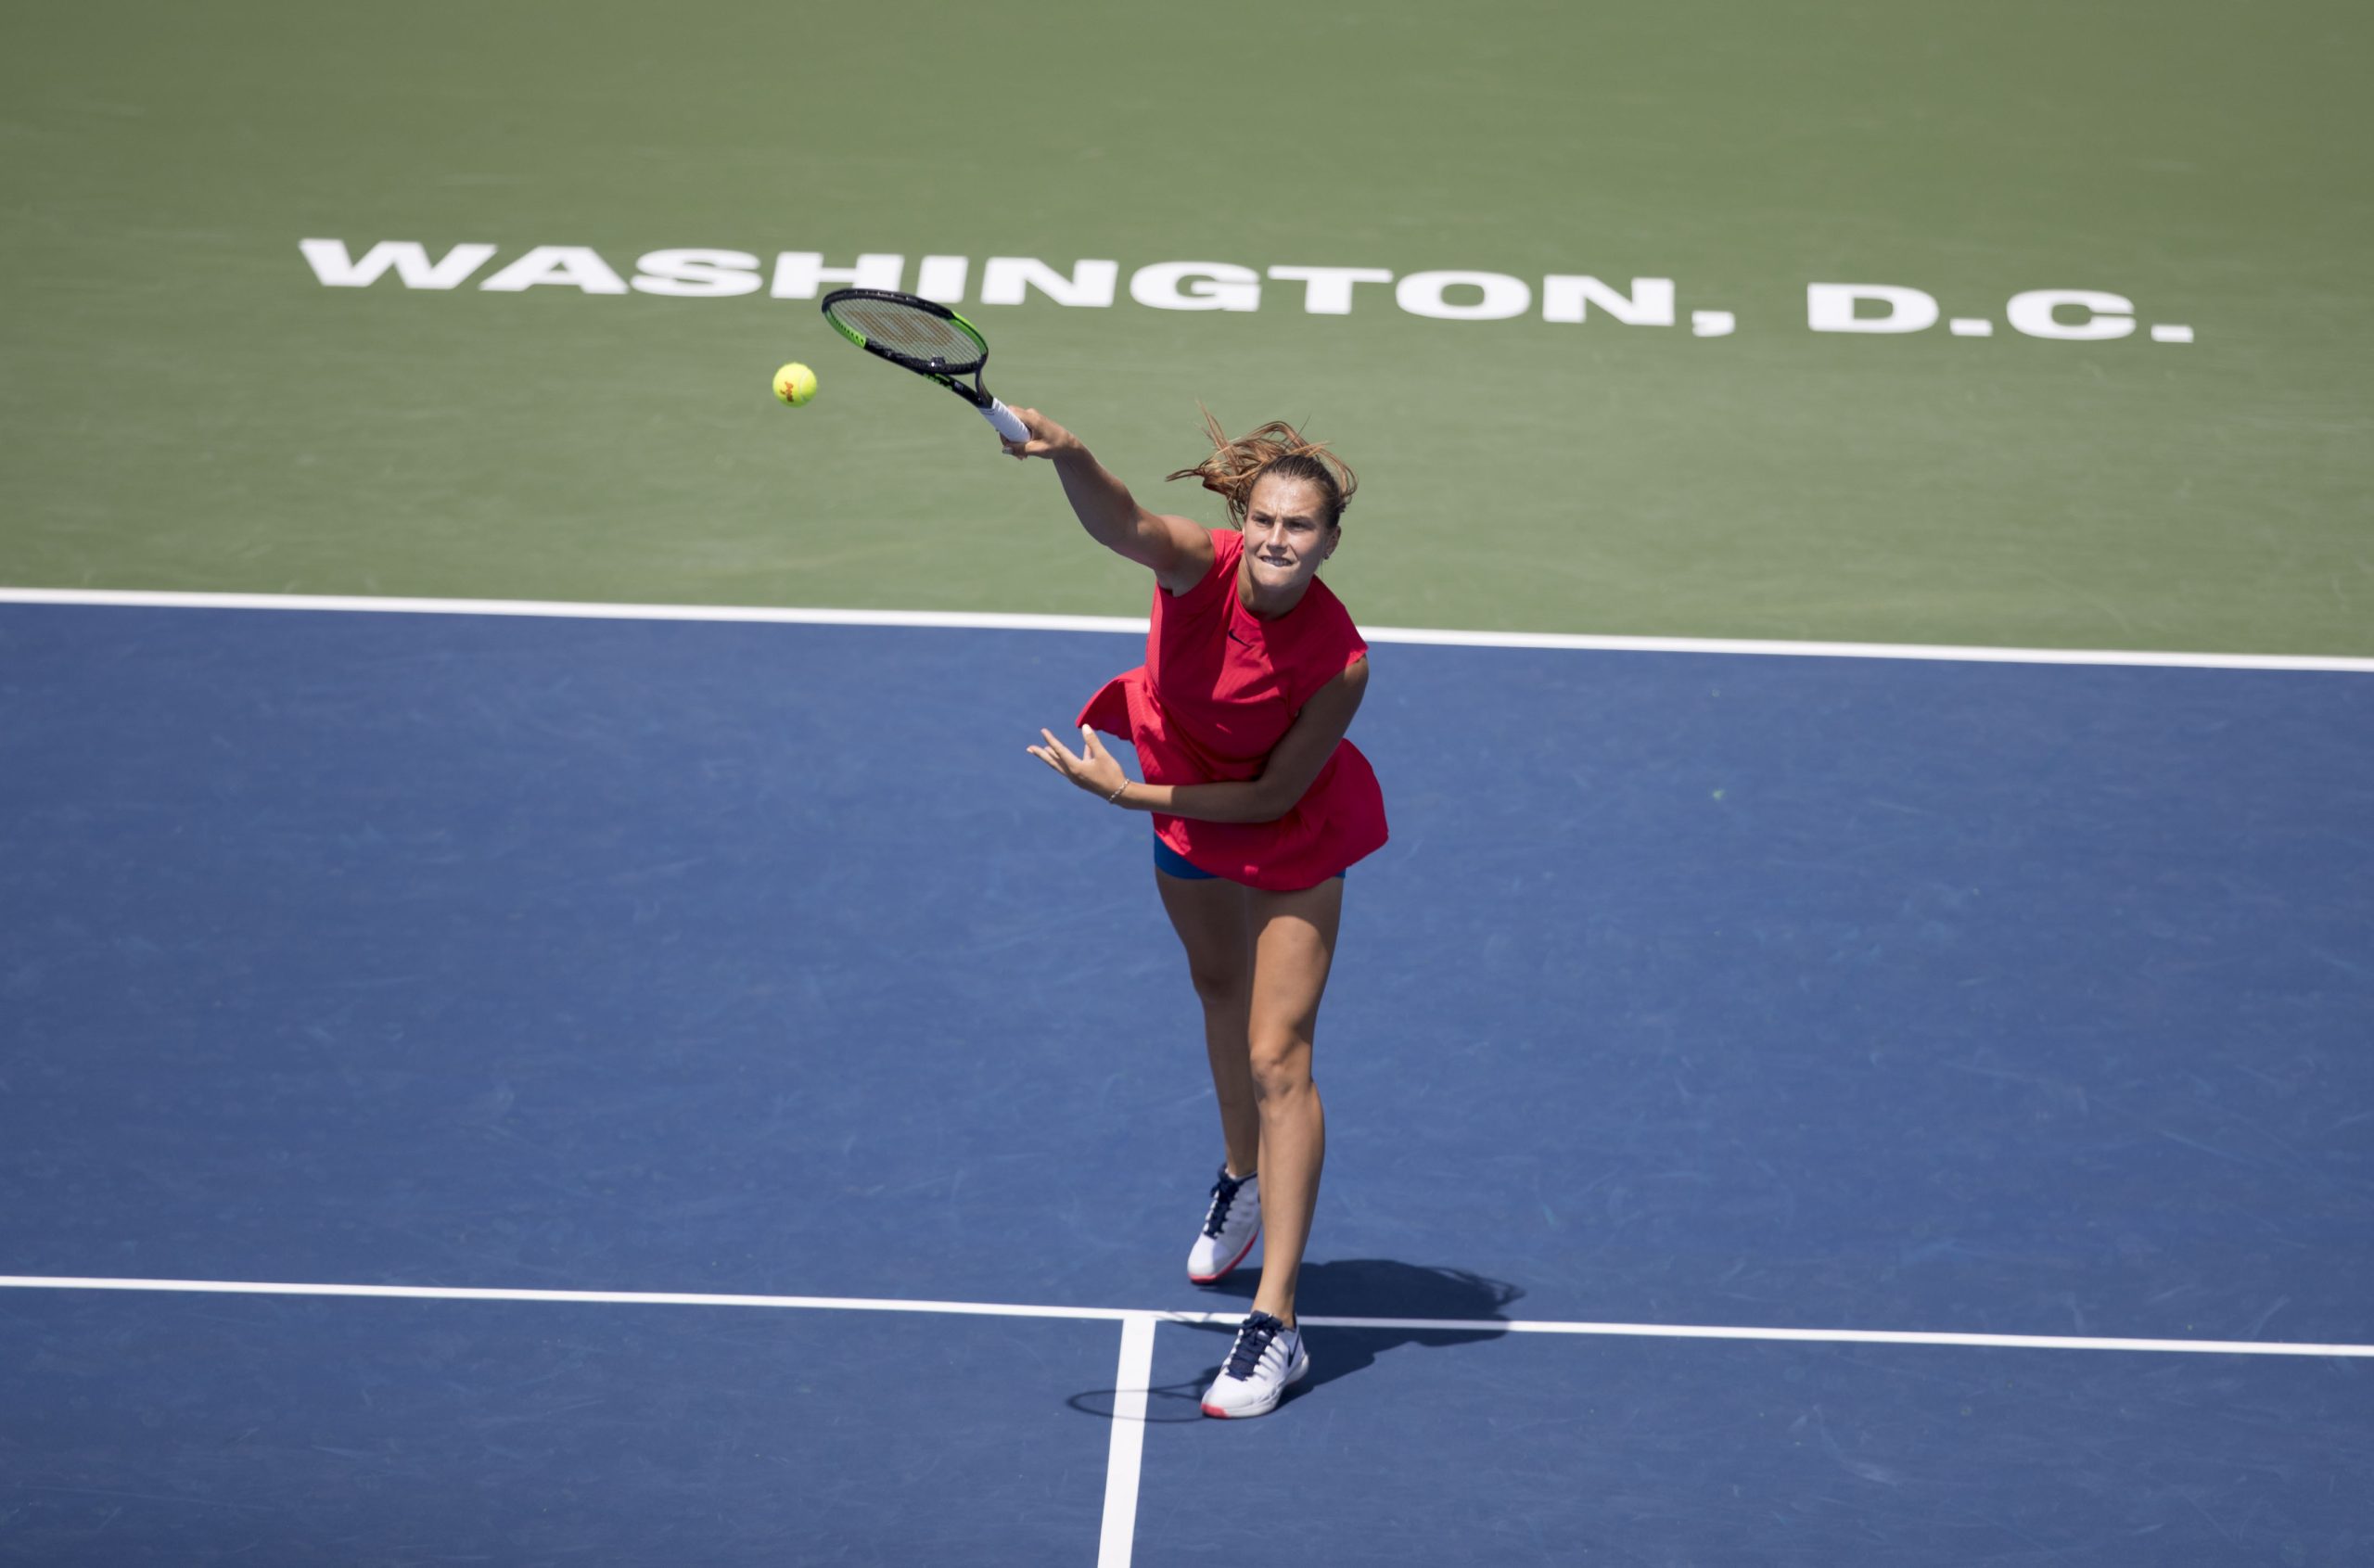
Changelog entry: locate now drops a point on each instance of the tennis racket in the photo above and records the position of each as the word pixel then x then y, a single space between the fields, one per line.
pixel 929 338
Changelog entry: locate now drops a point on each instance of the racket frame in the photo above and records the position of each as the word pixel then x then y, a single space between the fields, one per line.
pixel 935 368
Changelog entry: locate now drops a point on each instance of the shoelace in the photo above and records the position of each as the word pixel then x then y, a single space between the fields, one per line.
pixel 1252 1341
pixel 1223 1193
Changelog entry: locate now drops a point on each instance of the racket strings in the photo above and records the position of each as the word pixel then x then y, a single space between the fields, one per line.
pixel 912 334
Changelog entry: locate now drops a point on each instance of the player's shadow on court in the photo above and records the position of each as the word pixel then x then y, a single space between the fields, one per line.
pixel 1409 1294
pixel 1378 1287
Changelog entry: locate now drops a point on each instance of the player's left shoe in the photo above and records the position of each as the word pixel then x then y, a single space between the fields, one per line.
pixel 1266 1359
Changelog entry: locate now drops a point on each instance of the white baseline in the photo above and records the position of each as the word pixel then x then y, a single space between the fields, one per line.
pixel 1129 1315
pixel 974 620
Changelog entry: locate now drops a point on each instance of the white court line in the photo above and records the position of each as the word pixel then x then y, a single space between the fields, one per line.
pixel 597 1298
pixel 1126 1315
pixel 1134 1374
pixel 960 620
pixel 986 621
pixel 1122 1459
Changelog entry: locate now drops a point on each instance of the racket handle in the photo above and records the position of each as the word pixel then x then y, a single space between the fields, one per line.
pixel 1009 427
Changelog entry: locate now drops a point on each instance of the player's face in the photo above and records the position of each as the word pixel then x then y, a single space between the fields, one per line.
pixel 1286 534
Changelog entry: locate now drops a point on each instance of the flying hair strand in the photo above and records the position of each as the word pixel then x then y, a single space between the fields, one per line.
pixel 1278 447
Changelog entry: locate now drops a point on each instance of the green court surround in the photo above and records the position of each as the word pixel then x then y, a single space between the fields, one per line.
pixel 187 408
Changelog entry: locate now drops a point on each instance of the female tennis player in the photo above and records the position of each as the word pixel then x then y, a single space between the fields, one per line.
pixel 1253 673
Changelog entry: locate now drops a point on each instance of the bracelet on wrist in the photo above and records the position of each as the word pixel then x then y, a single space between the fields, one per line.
pixel 1115 798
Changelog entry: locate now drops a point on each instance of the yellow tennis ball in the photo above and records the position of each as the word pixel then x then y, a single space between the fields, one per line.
pixel 795 384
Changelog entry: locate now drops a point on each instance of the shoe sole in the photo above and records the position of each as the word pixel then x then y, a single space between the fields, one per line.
pixel 1227 1268
pixel 1294 1376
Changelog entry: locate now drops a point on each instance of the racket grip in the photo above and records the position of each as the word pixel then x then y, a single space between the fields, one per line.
pixel 1009 427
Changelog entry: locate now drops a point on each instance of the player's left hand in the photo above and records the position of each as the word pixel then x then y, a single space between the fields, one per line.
pixel 1093 770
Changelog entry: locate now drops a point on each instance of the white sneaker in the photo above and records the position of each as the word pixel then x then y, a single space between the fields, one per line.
pixel 1231 1227
pixel 1267 1357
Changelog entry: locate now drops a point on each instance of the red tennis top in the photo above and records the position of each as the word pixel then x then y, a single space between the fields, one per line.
pixel 1220 688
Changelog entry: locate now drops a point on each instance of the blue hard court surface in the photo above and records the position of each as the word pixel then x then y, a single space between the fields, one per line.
pixel 717 958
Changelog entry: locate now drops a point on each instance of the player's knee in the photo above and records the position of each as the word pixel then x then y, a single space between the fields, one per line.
pixel 1281 1066
pixel 1216 985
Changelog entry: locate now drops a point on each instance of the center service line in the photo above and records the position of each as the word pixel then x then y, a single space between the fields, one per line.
pixel 1151 1316
pixel 1130 1388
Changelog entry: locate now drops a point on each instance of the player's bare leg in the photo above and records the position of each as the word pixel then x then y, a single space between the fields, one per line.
pixel 1213 920
pixel 1293 938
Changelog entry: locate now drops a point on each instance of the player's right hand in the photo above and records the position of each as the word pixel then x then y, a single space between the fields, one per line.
pixel 1047 438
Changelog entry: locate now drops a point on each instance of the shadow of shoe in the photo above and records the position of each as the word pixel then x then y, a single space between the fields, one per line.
pixel 1171 1402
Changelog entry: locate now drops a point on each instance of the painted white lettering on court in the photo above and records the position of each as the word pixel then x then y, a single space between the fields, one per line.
pixel 802 275
pixel 336 269
pixel 698 274
pixel 2063 314
pixel 1569 298
pixel 1328 290
pixel 568 266
pixel 1196 285
pixel 942 278
pixel 1424 294
pixel 2036 313
pixel 1836 307
pixel 1004 279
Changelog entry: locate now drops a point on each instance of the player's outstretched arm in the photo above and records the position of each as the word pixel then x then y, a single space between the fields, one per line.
pixel 1174 549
